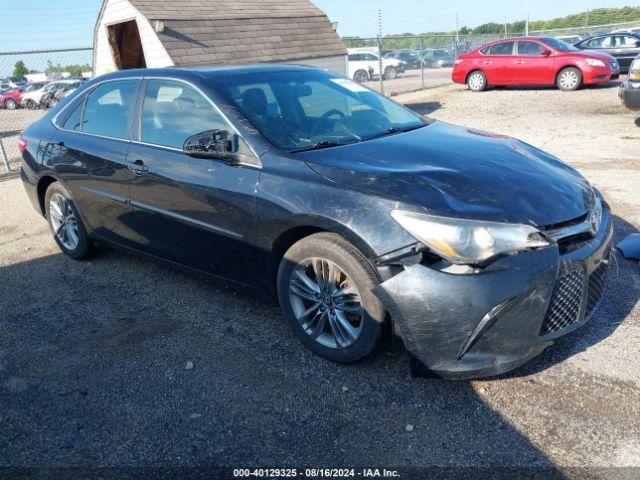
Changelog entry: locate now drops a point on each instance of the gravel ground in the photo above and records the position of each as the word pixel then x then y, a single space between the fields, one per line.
pixel 93 354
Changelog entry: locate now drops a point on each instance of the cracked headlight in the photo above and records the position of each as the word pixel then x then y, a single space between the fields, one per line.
pixel 469 241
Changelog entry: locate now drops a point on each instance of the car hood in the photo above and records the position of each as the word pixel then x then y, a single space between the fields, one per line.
pixel 593 54
pixel 460 172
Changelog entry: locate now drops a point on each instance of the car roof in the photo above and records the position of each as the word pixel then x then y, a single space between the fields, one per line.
pixel 205 71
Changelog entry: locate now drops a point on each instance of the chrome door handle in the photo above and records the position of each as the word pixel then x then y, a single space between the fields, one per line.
pixel 519 62
pixel 138 167
pixel 487 62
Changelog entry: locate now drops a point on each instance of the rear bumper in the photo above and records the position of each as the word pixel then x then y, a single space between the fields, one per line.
pixel 459 75
pixel 630 95
pixel 485 324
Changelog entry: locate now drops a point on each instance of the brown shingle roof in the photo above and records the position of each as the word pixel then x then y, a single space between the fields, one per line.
pixel 242 31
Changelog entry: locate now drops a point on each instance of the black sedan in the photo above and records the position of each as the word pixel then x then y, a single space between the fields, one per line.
pixel 624 47
pixel 360 216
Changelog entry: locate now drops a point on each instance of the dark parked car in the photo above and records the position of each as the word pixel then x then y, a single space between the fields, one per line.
pixel 477 249
pixel 411 58
pixel 438 58
pixel 630 90
pixel 624 47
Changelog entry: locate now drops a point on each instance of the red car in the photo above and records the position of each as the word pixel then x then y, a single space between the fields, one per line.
pixel 13 98
pixel 533 61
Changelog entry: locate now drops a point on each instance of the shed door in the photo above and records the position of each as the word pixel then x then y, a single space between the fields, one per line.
pixel 126 46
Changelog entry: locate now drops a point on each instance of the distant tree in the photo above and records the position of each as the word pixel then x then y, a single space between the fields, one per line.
pixel 20 70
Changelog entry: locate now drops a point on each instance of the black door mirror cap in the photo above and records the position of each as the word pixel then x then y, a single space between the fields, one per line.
pixel 212 144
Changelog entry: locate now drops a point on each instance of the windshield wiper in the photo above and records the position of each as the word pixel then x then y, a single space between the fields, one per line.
pixel 318 146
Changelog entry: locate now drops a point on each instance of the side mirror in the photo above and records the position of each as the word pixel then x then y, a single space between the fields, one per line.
pixel 546 53
pixel 211 144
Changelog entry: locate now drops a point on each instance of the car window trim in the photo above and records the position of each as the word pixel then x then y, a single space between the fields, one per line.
pixel 67 108
pixel 140 106
pixel 513 49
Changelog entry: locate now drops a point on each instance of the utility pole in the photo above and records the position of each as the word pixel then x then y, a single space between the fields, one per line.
pixel 526 26
pixel 506 29
pixel 380 63
pixel 457 33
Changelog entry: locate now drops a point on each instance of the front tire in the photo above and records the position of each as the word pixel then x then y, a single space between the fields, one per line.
pixel 361 76
pixel 325 291
pixel 477 81
pixel 66 224
pixel 31 104
pixel 569 79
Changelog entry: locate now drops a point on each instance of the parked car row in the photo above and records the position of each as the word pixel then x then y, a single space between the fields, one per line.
pixel 37 94
pixel 534 61
pixel 431 58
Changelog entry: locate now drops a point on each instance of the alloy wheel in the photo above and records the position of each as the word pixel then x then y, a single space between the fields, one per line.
pixel 326 303
pixel 10 105
pixel 361 77
pixel 64 222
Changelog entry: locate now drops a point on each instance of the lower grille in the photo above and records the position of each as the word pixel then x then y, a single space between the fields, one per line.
pixel 564 307
pixel 597 283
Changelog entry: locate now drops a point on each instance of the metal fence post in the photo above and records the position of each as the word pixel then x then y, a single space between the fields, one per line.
pixel 380 62
pixel 422 61
pixel 4 156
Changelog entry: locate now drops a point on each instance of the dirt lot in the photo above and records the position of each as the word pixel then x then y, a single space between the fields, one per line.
pixel 93 355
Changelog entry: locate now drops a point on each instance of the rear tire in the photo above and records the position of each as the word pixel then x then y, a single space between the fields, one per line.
pixel 10 104
pixel 477 81
pixel 66 224
pixel 390 73
pixel 318 307
pixel 569 79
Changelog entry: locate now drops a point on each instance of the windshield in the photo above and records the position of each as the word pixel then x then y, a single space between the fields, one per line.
pixel 298 110
pixel 560 45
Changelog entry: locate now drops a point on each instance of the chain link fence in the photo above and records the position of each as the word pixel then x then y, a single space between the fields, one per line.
pixel 405 63
pixel 31 83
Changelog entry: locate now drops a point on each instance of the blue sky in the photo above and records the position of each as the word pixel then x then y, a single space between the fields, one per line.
pixel 69 23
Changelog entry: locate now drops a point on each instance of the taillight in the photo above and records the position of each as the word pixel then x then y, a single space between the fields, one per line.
pixel 22 144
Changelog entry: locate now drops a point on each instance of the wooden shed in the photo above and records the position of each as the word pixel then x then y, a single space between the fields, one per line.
pixel 163 33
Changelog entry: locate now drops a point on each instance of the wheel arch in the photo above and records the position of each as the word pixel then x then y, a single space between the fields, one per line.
pixel 43 184
pixel 474 70
pixel 564 67
pixel 310 226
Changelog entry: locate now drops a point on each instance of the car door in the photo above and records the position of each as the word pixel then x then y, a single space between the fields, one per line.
pixel 498 63
pixel 530 66
pixel 192 211
pixel 627 48
pixel 90 152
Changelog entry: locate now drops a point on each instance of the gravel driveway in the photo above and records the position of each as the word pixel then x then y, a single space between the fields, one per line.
pixel 93 355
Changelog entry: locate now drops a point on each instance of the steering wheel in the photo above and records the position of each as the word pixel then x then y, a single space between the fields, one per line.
pixel 324 118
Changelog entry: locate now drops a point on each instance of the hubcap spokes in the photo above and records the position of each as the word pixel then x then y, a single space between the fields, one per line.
pixel 476 82
pixel 326 303
pixel 569 79
pixel 64 221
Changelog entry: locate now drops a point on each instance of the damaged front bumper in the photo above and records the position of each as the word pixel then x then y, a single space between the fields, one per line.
pixel 492 321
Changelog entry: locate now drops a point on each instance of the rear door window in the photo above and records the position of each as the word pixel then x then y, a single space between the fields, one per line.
pixel 503 48
pixel 108 109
